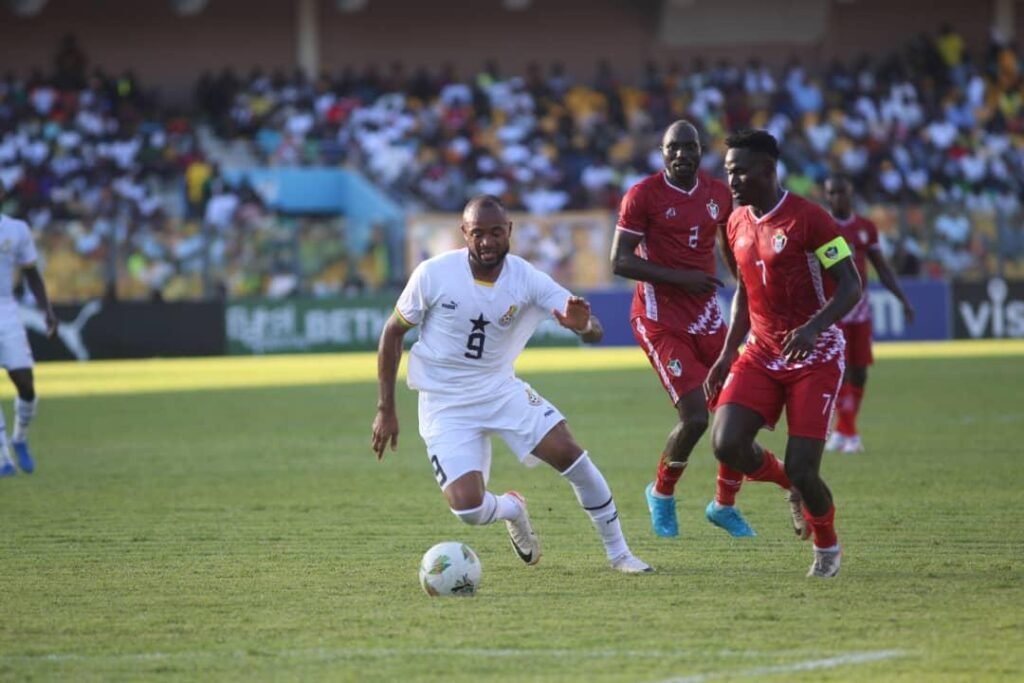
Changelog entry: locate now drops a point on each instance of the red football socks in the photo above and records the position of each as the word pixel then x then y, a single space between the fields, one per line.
pixel 823 528
pixel 771 469
pixel 847 407
pixel 728 485
pixel 665 482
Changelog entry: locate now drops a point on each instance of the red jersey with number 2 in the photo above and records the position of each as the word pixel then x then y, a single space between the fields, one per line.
pixel 782 275
pixel 678 230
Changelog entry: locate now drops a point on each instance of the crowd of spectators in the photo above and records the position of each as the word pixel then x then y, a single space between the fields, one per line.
pixel 115 183
pixel 931 123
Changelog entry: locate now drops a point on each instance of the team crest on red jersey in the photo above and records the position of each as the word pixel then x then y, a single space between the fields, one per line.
pixel 863 235
pixel 670 212
pixel 675 367
pixel 713 209
pixel 779 241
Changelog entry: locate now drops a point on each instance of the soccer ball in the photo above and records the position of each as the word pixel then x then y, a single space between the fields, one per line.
pixel 450 568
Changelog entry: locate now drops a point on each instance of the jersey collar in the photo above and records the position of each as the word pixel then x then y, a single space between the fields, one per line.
pixel 688 193
pixel 768 215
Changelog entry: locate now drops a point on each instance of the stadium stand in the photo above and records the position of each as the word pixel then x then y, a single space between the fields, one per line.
pixel 932 135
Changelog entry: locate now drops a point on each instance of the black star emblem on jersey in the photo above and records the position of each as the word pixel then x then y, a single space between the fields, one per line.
pixel 480 323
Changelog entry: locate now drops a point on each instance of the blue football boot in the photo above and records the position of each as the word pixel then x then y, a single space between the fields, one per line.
pixel 25 461
pixel 729 518
pixel 663 513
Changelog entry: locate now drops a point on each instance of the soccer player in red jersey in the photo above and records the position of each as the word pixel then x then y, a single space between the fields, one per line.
pixel 784 246
pixel 862 236
pixel 665 239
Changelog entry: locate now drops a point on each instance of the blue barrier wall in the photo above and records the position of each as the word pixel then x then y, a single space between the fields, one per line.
pixel 324 190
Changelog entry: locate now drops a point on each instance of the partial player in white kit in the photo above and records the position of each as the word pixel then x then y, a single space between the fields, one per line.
pixel 18 252
pixel 476 308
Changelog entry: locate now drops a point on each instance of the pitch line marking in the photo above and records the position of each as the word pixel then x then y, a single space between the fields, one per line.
pixel 808 665
pixel 353 653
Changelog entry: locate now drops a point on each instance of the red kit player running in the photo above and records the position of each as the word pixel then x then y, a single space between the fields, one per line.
pixel 862 236
pixel 784 246
pixel 665 240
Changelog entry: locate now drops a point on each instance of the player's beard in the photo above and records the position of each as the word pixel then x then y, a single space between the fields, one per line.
pixel 499 259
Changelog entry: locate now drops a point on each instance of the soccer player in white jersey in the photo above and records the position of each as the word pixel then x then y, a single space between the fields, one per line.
pixel 476 308
pixel 18 251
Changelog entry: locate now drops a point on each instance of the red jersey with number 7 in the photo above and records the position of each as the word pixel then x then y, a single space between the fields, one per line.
pixel 678 230
pixel 779 257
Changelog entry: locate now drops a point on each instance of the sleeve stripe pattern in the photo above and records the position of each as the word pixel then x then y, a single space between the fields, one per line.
pixel 832 252
pixel 623 228
pixel 402 319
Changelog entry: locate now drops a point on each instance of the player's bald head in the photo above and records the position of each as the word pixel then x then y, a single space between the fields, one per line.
pixel 484 208
pixel 679 130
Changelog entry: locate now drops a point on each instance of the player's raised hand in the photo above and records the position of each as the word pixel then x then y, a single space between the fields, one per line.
pixel 697 282
pixel 799 343
pixel 385 431
pixel 576 316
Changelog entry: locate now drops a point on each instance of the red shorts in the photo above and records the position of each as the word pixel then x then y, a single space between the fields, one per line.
pixel 807 393
pixel 858 344
pixel 681 360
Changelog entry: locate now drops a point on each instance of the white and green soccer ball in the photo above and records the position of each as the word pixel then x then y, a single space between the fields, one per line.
pixel 450 568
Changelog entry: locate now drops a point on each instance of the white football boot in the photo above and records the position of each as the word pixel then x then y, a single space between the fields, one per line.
pixel 628 563
pixel 826 562
pixel 853 444
pixel 835 442
pixel 524 539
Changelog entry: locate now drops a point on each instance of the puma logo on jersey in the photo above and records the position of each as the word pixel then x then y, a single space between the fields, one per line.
pixel 451 305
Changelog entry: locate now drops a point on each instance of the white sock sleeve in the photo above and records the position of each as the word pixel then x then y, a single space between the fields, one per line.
pixel 596 498
pixel 491 510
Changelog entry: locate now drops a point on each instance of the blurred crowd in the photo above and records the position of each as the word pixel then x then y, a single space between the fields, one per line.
pixel 933 124
pixel 930 123
pixel 119 187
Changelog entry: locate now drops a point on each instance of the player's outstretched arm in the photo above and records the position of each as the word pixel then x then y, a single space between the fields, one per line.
pixel 625 263
pixel 888 279
pixel 578 318
pixel 38 289
pixel 389 355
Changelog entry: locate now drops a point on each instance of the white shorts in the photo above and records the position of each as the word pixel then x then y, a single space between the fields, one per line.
pixel 458 436
pixel 15 353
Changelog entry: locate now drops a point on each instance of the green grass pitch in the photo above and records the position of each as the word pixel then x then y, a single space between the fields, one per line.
pixel 249 534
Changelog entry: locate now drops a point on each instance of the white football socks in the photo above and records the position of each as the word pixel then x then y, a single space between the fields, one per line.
pixel 24 411
pixel 491 510
pixel 596 498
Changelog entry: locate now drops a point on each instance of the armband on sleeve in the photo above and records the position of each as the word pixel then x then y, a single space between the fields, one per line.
pixel 832 252
pixel 403 320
